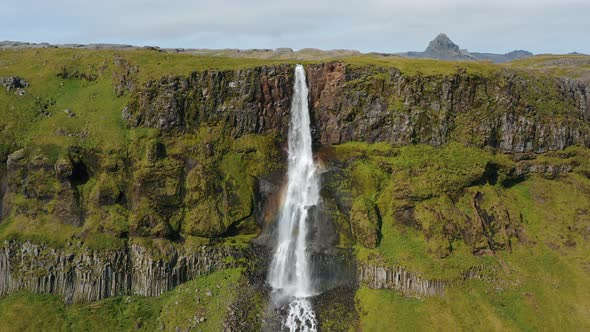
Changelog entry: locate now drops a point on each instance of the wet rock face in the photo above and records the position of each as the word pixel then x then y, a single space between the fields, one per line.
pixel 365 222
pixel 352 103
pixel 333 268
pixel 93 275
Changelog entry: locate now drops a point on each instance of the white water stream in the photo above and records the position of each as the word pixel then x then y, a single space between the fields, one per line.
pixel 289 273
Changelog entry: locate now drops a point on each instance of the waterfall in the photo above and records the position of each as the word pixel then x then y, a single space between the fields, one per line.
pixel 289 273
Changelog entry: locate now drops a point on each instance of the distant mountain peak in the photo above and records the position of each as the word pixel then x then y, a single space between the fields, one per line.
pixel 442 43
pixel 518 54
pixel 442 47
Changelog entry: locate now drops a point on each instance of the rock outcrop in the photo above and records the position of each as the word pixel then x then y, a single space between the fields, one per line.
pixel 33 176
pixel 210 168
pixel 85 275
pixel 14 83
pixel 411 284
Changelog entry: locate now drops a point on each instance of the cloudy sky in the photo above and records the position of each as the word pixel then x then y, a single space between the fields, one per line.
pixel 541 26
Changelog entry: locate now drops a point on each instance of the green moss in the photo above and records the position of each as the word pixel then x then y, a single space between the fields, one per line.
pixel 43 229
pixel 365 222
pixel 434 189
pixel 106 228
pixel 220 187
pixel 32 312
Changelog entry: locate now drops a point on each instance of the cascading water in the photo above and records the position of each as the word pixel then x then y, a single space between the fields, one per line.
pixel 289 273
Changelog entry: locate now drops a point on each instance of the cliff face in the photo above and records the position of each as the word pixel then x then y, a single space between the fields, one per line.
pixel 350 103
pixel 205 158
pixel 246 101
pixel 87 276
pixel 506 111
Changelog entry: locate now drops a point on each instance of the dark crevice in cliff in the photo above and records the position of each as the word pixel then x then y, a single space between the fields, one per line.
pixel 79 174
pixel 494 173
pixel 507 183
pixel 485 220
pixel 234 228
pixel 3 188
pixel 491 174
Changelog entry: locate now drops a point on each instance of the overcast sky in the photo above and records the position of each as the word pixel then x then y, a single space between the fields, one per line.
pixel 540 26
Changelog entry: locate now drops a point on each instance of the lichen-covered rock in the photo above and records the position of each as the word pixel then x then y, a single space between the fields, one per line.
pixel 492 227
pixel 34 180
pixel 364 219
pixel 156 198
pixel 13 82
pixel 124 76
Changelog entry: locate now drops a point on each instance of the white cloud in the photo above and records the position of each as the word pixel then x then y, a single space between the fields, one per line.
pixel 380 25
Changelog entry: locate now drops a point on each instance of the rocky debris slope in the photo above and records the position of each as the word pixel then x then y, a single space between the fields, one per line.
pixel 86 275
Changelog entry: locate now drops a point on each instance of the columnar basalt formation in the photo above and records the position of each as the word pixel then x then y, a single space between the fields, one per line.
pixel 399 279
pixel 86 275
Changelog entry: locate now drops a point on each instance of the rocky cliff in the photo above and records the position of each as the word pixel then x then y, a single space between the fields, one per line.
pixel 86 275
pixel 506 110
